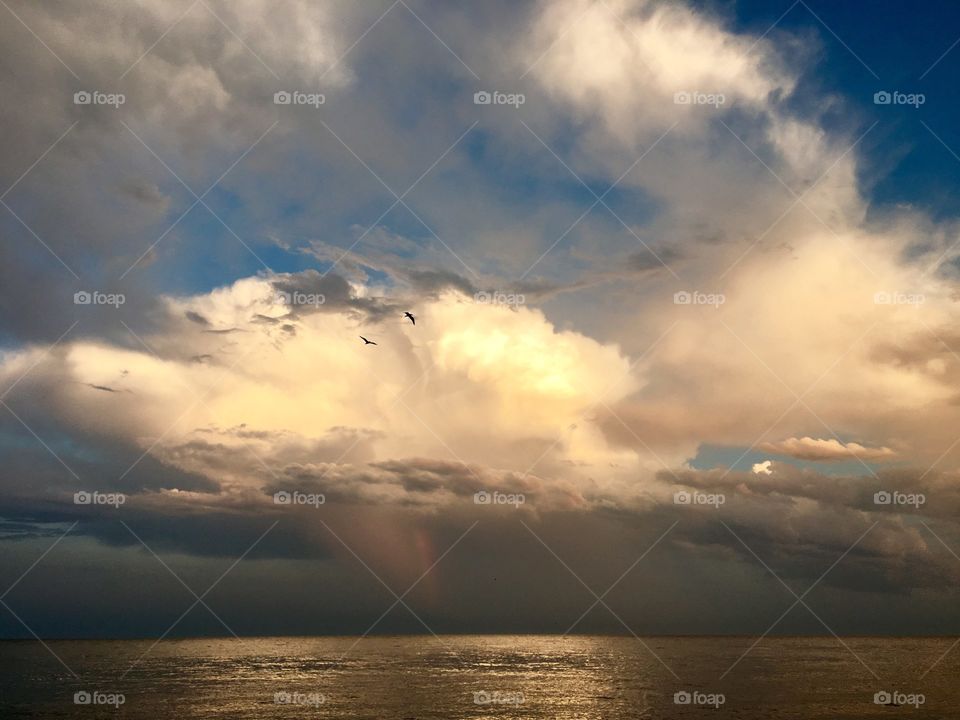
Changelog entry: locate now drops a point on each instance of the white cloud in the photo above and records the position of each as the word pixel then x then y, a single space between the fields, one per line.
pixel 826 449
pixel 469 382
pixel 623 62
pixel 773 218
pixel 506 391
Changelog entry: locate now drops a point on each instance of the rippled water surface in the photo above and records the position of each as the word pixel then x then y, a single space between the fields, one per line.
pixel 480 677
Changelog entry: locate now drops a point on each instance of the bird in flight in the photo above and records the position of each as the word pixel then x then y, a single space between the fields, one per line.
pixel 367 342
pixel 408 314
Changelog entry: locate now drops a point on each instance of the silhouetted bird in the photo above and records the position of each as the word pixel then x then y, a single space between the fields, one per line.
pixel 367 342
pixel 412 318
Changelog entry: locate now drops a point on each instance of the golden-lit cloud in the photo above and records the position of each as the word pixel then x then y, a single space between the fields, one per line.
pixel 828 320
pixel 826 449
pixel 243 373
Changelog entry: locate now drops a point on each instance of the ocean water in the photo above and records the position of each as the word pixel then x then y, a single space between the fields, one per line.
pixel 481 677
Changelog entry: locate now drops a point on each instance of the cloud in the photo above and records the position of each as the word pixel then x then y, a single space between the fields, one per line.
pixel 800 519
pixel 294 393
pixel 650 52
pixel 826 449
pixel 474 397
pixel 203 394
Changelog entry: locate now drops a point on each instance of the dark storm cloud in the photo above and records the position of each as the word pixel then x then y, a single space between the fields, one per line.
pixel 89 462
pixel 421 482
pixel 799 520
pixel 72 456
pixel 208 534
pixel 200 98
pixel 213 451
pixel 334 294
pixel 414 285
pixel 384 257
pixel 432 282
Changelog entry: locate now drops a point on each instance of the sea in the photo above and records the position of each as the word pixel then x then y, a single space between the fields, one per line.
pixel 482 676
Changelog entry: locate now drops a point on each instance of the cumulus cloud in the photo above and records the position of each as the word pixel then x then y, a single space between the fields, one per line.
pixel 294 392
pixel 589 397
pixel 825 449
pixel 628 61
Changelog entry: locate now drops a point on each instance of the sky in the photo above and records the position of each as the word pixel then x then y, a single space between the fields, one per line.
pixel 684 281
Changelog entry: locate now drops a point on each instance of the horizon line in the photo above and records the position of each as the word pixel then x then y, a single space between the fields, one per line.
pixel 372 636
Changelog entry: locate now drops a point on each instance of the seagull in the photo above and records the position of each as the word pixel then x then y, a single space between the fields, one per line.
pixel 367 342
pixel 412 318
